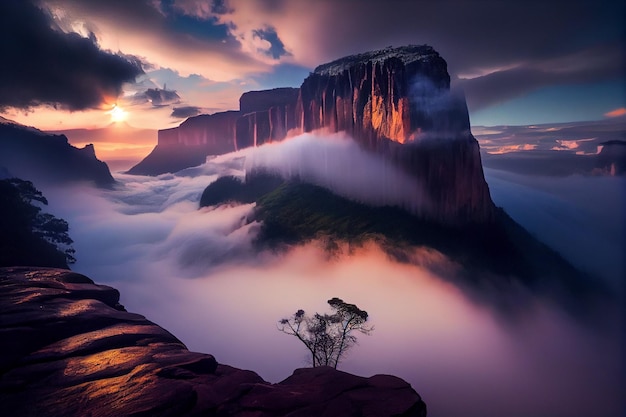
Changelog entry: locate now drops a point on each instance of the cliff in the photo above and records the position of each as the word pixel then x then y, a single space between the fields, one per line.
pixel 33 155
pixel 264 116
pixel 190 143
pixel 397 103
pixel 69 348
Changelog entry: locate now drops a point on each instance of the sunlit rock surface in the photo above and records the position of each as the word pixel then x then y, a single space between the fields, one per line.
pixel 397 103
pixel 33 155
pixel 68 348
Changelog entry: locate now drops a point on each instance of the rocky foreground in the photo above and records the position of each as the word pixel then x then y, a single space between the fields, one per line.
pixel 68 348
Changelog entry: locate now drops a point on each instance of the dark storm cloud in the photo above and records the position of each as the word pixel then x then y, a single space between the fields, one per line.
pixel 277 47
pixel 592 65
pixel 185 111
pixel 157 97
pixel 166 34
pixel 161 97
pixel 42 65
pixel 526 45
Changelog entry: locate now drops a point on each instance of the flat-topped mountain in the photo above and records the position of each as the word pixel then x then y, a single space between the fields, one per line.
pixel 31 154
pixel 70 349
pixel 397 103
pixel 394 102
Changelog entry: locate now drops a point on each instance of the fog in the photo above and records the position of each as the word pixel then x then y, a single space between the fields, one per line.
pixel 195 273
pixel 337 162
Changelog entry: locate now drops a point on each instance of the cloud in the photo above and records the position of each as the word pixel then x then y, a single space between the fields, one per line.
pixel 270 44
pixel 43 65
pixel 616 113
pixel 163 36
pixel 158 97
pixel 193 272
pixel 589 65
pixel 574 136
pixel 185 112
pixel 239 39
pixel 337 162
pixel 202 9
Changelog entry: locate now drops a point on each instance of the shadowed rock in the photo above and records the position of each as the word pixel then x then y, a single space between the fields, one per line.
pixel 33 155
pixel 70 349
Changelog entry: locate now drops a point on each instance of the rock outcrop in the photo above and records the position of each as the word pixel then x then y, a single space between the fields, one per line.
pixel 264 116
pixel 397 103
pixel 33 155
pixel 268 116
pixel 190 143
pixel 70 349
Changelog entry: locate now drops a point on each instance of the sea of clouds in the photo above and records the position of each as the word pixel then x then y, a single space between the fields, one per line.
pixel 196 273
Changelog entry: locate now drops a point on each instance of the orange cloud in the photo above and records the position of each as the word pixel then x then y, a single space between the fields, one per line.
pixel 616 113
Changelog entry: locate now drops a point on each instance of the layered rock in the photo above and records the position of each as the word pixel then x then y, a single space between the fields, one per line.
pixel 268 116
pixel 69 348
pixel 397 103
pixel 33 155
pixel 190 143
pixel 264 116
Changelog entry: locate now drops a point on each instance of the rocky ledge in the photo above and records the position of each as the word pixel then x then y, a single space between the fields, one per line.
pixel 69 348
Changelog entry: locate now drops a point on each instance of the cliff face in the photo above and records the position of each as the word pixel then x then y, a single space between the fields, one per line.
pixel 70 345
pixel 264 116
pixel 190 143
pixel 397 103
pixel 32 155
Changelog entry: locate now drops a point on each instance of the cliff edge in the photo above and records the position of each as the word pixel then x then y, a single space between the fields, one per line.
pixel 69 348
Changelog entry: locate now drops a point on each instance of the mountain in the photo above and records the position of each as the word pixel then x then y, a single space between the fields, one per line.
pixel 70 349
pixel 33 155
pixel 190 143
pixel 119 144
pixel 394 102
pixel 397 103
pixel 263 116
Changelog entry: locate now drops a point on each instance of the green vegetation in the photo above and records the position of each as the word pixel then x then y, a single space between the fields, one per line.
pixel 327 337
pixel 28 236
pixel 232 189
pixel 490 254
pixel 299 212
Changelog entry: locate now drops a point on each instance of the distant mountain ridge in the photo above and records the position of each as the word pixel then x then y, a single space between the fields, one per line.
pixel 31 154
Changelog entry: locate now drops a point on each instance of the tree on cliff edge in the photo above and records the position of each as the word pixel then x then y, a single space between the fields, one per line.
pixel 328 337
pixel 28 236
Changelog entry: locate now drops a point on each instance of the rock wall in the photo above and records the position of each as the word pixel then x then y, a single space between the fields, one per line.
pixel 190 143
pixel 397 103
pixel 70 349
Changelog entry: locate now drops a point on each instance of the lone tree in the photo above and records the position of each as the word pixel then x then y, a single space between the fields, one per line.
pixel 328 337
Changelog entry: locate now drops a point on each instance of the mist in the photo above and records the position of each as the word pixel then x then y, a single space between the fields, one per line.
pixel 335 161
pixel 196 273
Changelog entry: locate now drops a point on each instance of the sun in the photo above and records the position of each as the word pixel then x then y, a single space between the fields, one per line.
pixel 117 114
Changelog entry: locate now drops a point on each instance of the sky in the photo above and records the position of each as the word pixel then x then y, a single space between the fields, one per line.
pixel 71 64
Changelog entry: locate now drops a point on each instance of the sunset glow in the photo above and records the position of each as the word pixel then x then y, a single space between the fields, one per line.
pixel 117 114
